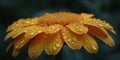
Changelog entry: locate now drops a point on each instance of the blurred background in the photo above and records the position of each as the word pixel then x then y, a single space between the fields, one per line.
pixel 109 10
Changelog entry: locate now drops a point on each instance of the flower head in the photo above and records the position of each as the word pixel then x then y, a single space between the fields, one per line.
pixel 50 31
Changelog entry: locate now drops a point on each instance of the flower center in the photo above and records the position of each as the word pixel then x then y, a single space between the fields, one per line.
pixel 62 18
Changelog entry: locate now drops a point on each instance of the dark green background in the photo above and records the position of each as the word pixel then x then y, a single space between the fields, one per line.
pixel 109 10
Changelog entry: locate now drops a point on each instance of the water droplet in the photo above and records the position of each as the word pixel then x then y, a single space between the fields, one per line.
pixel 57 40
pixel 64 37
pixel 96 22
pixel 31 33
pixel 46 19
pixel 57 45
pixel 74 39
pixel 72 42
pixel 54 48
pixel 55 31
pixel 59 36
pixel 22 41
pixel 87 41
pixel 39 31
pixel 63 30
pixel 66 31
pixel 63 34
pixel 17 25
pixel 80 29
pixel 27 22
pixel 61 16
pixel 100 25
pixel 69 39
pixel 94 47
pixel 53 27
pixel 77 27
pixel 16 47
pixel 32 23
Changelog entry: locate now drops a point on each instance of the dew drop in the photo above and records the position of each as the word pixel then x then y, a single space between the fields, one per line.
pixel 54 48
pixel 32 23
pixel 63 30
pixel 59 36
pixel 95 22
pixel 16 47
pixel 17 25
pixel 31 33
pixel 66 31
pixel 23 41
pixel 64 37
pixel 69 39
pixel 57 40
pixel 80 29
pixel 72 42
pixel 57 45
pixel 46 19
pixel 39 31
pixel 100 25
pixel 74 39
pixel 63 34
pixel 87 41
pixel 93 47
pixel 61 17
pixel 27 22
pixel 55 31
pixel 77 27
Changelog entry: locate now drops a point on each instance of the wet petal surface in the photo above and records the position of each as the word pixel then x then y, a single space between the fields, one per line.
pixel 89 43
pixel 37 45
pixel 77 28
pixel 15 40
pixel 71 40
pixel 16 52
pixel 54 43
pixel 32 32
pixel 23 23
pixel 102 34
pixel 52 29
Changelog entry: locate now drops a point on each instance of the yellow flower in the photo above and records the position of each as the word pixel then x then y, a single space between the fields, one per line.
pixel 50 31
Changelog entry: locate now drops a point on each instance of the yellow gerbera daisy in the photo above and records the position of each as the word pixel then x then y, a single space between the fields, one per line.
pixel 50 31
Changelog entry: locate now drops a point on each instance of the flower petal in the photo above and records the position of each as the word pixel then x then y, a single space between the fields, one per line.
pixel 29 34
pixel 10 34
pixel 16 39
pixel 99 23
pixel 86 16
pixel 23 23
pixel 89 44
pixel 77 28
pixel 102 34
pixel 30 29
pixel 55 43
pixel 71 39
pixel 16 52
pixel 37 45
pixel 51 29
pixel 108 27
